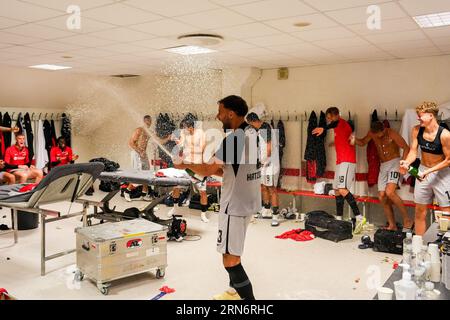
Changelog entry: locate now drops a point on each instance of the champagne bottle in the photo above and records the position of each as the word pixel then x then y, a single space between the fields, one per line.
pixel 194 175
pixel 414 172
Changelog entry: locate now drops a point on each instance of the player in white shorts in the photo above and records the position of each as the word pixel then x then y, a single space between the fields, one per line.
pixel 389 143
pixel 270 166
pixel 434 171
pixel 192 144
pixel 241 196
pixel 139 158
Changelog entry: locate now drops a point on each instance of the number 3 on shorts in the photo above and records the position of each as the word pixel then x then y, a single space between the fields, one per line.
pixel 341 179
pixel 219 239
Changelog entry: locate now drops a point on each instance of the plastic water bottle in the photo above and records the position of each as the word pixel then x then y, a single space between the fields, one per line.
pixel 429 293
pixel 407 248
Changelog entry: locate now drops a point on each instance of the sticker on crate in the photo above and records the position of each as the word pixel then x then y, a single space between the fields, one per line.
pixel 135 243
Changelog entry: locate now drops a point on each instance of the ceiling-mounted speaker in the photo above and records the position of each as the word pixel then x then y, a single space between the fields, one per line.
pixel 283 73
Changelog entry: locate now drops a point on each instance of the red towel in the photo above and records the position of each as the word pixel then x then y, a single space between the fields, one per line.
pixel 28 187
pixel 297 235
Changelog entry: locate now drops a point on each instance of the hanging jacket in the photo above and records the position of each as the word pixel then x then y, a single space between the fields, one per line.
pixel 2 142
pixel 66 130
pixel 48 137
pixel 52 123
pixel 6 143
pixel 312 144
pixel 372 158
pixel 29 134
pixel 321 152
pixel 22 129
pixel 281 145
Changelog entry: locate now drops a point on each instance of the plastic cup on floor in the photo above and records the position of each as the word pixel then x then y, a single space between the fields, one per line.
pixel 443 224
pixel 385 293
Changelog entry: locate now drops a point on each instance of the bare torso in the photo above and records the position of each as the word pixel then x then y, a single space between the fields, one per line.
pixel 428 159
pixel 387 148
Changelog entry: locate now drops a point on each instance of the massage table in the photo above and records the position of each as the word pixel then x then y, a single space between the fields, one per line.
pixel 135 177
pixel 63 183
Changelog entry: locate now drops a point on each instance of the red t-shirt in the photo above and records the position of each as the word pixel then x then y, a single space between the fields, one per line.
pixel 64 156
pixel 345 152
pixel 16 157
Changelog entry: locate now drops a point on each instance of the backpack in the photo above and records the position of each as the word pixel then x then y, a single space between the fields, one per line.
pixel 177 229
pixel 389 241
pixel 325 226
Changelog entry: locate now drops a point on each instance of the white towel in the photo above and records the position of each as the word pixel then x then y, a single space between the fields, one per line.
pixel 41 154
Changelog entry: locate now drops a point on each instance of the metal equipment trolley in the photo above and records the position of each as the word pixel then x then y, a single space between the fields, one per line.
pixel 112 251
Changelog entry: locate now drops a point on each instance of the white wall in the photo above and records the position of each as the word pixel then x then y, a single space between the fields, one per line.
pixel 355 87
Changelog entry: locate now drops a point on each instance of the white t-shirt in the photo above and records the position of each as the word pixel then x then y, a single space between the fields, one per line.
pixel 270 164
pixel 241 194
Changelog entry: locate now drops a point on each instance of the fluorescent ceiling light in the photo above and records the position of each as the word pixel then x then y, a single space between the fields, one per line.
pixel 49 67
pixel 187 50
pixel 433 20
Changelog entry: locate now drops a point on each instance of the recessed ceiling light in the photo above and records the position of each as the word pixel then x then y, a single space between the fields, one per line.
pixel 433 20
pixel 188 50
pixel 50 67
pixel 302 24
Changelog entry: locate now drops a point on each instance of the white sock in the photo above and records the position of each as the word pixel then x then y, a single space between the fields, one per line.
pixel 338 217
pixel 275 217
pixel 359 217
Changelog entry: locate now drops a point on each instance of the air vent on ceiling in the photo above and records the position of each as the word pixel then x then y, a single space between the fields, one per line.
pixel 125 75
pixel 201 39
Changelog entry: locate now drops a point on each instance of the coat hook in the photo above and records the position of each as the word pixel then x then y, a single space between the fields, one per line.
pixel 385 114
pixel 396 114
pixel 349 116
pixel 40 114
pixel 288 118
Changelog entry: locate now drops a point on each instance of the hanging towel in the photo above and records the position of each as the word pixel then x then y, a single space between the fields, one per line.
pixel 41 151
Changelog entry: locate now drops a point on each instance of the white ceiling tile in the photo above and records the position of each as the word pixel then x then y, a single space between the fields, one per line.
pixel 86 40
pixel 230 3
pixel 247 31
pixel 396 36
pixel 300 48
pixel 214 19
pixel 438 32
pixel 394 25
pixel 55 46
pixel 62 5
pixel 152 54
pixel 16 39
pixel 165 27
pixel 329 59
pixel 121 35
pixel 273 9
pixel 157 43
pixel 9 56
pixel 25 51
pixel 92 52
pixel 38 31
pixel 94 61
pixel 419 52
pixel 421 7
pixel 324 34
pixel 121 15
pixel 317 21
pixel 123 48
pixel 406 45
pixel 328 5
pixel 273 40
pixel 360 52
pixel 359 15
pixel 7 23
pixel 228 45
pixel 444 41
pixel 25 12
pixel 87 25
pixel 339 43
pixel 172 8
pixel 253 52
